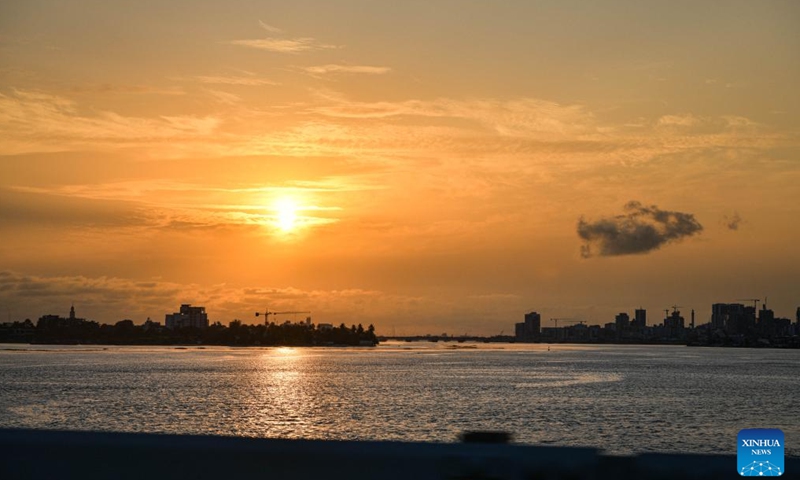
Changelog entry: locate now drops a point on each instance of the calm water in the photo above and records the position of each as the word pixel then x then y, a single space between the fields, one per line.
pixel 621 398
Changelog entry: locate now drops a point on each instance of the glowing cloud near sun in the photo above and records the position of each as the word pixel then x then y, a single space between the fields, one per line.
pixel 286 214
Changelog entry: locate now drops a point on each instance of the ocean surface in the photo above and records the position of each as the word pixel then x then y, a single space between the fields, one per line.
pixel 623 399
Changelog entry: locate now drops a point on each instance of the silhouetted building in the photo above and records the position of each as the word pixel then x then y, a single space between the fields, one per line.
pixel 766 322
pixel 530 329
pixel 725 315
pixel 55 321
pixel 783 327
pixel 151 325
pixel 674 325
pixel 720 312
pixel 622 321
pixel 640 318
pixel 733 318
pixel 188 316
pixel 746 323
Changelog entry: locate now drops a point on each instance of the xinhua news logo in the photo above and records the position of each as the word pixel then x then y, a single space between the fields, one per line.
pixel 760 452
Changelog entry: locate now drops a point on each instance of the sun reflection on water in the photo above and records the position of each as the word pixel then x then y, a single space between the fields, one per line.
pixel 282 395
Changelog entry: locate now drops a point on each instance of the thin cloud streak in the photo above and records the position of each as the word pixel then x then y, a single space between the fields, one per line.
pixel 334 68
pixel 283 45
pixel 235 80
pixel 53 122
pixel 108 88
pixel 269 28
pixel 174 204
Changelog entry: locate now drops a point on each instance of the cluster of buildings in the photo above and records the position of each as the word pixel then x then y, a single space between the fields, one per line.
pixel 731 323
pixel 187 316
pixel 55 321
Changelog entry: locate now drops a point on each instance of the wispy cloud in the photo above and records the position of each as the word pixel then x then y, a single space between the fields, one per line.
pixel 35 120
pixel 333 68
pixel 522 117
pixel 235 80
pixel 165 204
pixel 269 28
pixel 283 45
pixel 20 207
pixel 108 88
pixel 732 222
pixel 685 120
pixel 224 97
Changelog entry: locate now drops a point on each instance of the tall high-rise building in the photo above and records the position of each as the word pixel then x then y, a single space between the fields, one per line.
pixel 622 321
pixel 766 322
pixel 530 329
pixel 719 316
pixel 640 317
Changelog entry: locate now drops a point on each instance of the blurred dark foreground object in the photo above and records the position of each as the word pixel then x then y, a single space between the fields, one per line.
pixel 485 437
pixel 40 454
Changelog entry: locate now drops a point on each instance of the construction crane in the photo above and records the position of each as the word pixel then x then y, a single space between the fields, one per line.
pixel 754 300
pixel 566 320
pixel 268 313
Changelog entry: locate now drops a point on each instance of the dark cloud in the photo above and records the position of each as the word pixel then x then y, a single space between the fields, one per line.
pixel 60 211
pixel 732 222
pixel 642 229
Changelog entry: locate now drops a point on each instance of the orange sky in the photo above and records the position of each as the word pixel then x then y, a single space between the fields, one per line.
pixel 423 166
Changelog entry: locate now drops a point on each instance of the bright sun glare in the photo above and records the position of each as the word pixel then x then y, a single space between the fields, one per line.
pixel 286 210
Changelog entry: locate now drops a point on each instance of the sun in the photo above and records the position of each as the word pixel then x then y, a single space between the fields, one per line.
pixel 286 214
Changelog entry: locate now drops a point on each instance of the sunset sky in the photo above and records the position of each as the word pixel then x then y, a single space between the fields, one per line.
pixel 426 166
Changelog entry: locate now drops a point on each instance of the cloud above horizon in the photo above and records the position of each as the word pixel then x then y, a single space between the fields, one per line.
pixel 250 81
pixel 641 230
pixel 283 45
pixel 269 28
pixel 108 299
pixel 334 68
pixel 732 222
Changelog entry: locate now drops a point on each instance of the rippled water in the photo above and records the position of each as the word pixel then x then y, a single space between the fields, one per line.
pixel 620 398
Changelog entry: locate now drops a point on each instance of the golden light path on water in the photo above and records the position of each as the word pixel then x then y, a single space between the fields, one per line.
pixel 623 398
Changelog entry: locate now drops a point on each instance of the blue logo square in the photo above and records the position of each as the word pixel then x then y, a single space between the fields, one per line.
pixel 760 452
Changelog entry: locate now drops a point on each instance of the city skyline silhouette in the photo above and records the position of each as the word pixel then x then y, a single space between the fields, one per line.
pixel 422 169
